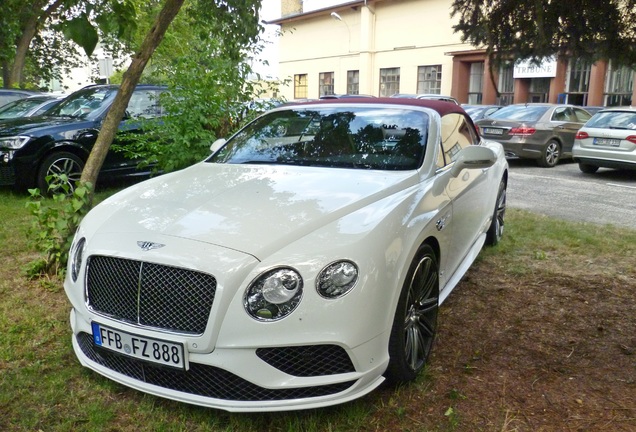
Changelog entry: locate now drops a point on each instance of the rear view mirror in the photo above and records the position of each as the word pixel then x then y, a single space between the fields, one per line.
pixel 216 145
pixel 472 157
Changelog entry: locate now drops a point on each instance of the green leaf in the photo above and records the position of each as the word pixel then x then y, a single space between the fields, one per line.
pixel 82 32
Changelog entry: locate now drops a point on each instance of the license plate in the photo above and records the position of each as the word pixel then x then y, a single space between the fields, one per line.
pixel 493 131
pixel 607 142
pixel 144 348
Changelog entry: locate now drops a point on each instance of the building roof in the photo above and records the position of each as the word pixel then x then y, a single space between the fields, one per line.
pixel 319 12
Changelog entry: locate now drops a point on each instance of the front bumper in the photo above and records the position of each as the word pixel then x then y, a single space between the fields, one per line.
pixel 242 379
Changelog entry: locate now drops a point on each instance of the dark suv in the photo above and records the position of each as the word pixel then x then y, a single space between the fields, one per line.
pixel 60 141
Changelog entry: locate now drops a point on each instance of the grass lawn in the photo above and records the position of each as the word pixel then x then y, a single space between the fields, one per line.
pixel 538 336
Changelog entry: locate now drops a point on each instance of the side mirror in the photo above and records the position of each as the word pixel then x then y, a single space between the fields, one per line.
pixel 473 157
pixel 216 145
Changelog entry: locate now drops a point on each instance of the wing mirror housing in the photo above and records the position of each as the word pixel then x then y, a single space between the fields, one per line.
pixel 216 145
pixel 473 157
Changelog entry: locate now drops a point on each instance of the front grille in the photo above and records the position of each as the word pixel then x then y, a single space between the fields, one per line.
pixel 202 380
pixel 308 360
pixel 7 174
pixel 150 294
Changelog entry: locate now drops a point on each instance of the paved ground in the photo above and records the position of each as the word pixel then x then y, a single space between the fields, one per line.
pixel 607 197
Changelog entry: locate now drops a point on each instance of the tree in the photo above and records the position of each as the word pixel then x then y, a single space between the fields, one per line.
pixel 35 36
pixel 237 20
pixel 586 29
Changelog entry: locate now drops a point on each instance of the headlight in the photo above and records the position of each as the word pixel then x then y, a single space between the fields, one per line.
pixel 13 143
pixel 274 294
pixel 77 256
pixel 337 279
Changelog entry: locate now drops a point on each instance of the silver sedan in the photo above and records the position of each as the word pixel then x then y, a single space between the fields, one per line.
pixel 607 140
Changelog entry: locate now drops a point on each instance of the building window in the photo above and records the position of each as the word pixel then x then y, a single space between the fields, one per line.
pixel 506 84
pixel 389 81
pixel 578 83
pixel 429 79
pixel 300 86
pixel 325 84
pixel 353 82
pixel 476 83
pixel 619 85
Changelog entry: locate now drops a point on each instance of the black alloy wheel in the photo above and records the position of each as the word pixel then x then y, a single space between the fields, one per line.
pixel 58 169
pixel 496 229
pixel 415 320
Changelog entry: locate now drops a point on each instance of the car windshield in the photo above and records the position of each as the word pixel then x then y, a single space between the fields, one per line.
pixel 343 137
pixel 613 120
pixel 526 113
pixel 18 108
pixel 84 104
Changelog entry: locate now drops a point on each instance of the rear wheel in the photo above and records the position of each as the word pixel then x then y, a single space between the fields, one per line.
pixel 496 229
pixel 57 164
pixel 415 321
pixel 587 168
pixel 551 154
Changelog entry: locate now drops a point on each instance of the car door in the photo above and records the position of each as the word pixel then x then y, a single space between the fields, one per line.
pixel 142 107
pixel 466 192
pixel 567 125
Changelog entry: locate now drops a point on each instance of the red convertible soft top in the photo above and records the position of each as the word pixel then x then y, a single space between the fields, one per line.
pixel 442 107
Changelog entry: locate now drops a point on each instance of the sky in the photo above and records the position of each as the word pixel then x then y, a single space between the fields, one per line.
pixel 270 10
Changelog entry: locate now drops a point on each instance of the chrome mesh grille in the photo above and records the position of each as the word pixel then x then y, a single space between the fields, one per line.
pixel 203 380
pixel 150 294
pixel 308 360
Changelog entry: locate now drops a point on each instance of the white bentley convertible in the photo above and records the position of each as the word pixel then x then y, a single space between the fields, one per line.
pixel 299 266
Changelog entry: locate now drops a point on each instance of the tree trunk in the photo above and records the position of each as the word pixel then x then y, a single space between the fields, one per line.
pixel 130 79
pixel 15 77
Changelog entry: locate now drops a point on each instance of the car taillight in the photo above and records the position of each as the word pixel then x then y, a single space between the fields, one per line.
pixel 581 135
pixel 523 131
pixel 631 139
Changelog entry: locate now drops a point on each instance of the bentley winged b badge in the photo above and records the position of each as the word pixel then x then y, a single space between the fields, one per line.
pixel 146 245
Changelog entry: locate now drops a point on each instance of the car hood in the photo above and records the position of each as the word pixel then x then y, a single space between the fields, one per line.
pixel 35 126
pixel 253 209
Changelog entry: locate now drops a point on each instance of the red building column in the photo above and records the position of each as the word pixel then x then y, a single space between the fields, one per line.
pixel 595 95
pixel 557 84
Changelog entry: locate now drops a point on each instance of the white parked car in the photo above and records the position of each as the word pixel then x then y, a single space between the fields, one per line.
pixel 607 140
pixel 299 266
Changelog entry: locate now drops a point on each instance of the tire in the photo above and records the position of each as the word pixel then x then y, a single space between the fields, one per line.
pixel 56 164
pixel 587 168
pixel 551 155
pixel 415 320
pixel 496 229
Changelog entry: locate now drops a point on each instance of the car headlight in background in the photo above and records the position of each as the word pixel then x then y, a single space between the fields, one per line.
pixel 274 294
pixel 13 143
pixel 77 256
pixel 337 279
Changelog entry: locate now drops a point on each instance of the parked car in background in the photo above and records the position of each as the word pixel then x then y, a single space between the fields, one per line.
pixel 29 106
pixel 345 96
pixel 478 112
pixel 592 109
pixel 540 131
pixel 32 148
pixel 9 95
pixel 607 140
pixel 427 96
pixel 298 266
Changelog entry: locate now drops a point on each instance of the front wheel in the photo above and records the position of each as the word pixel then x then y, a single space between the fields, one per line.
pixel 496 229
pixel 64 164
pixel 415 320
